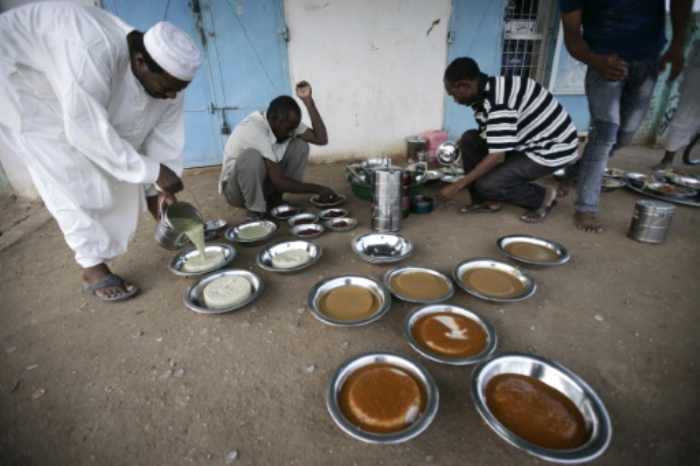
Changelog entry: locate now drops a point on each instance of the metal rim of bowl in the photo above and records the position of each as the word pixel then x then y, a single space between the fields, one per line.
pixel 351 220
pixel 403 362
pixel 527 294
pixel 601 432
pixel 231 234
pixel 317 226
pixel 275 211
pixel 323 215
pixel 314 259
pixel 373 260
pixel 610 183
pixel 203 281
pixel 679 190
pixel 415 268
pixel 314 295
pixel 684 181
pixel 228 258
pixel 487 352
pixel 292 221
pixel 559 248
pixel 327 205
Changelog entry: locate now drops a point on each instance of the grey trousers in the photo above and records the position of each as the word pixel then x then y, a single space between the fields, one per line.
pixel 248 184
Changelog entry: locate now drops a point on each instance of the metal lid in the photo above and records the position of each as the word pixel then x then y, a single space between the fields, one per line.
pixel 657 206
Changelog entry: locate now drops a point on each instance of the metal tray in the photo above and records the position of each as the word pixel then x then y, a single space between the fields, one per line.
pixel 594 412
pixel 399 270
pixel 178 262
pixel 670 190
pixel 370 246
pixel 416 370
pixel 413 317
pixel 486 262
pixel 265 257
pixel 194 296
pixel 690 202
pixel 325 286
pixel 558 248
pixel 233 233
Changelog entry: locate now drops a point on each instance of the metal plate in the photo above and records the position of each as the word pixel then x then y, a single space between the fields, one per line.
pixel 177 262
pixel 558 248
pixel 556 376
pixel 330 214
pixel 284 212
pixel 388 277
pixel 684 180
pixel 317 229
pixel 265 257
pixel 382 248
pixel 610 183
pixel 486 262
pixel 615 173
pixel 413 317
pixel 303 218
pixel 194 296
pixel 323 205
pixel 691 202
pixel 341 224
pixel 670 190
pixel 325 286
pixel 233 233
pixel 402 362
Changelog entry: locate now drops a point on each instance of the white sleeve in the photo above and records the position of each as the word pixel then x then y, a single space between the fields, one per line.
pixel 166 141
pixel 80 74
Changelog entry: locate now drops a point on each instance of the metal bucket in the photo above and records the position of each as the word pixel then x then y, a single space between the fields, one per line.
pixel 166 235
pixel 386 214
pixel 650 221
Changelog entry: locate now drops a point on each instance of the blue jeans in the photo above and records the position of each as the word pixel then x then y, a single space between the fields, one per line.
pixel 617 109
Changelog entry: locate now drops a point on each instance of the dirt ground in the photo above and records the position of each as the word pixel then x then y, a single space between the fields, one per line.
pixel 149 383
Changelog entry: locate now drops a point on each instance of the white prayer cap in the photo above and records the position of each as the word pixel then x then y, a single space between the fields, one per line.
pixel 173 50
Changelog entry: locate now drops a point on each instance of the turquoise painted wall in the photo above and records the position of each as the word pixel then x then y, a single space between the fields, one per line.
pixel 477 28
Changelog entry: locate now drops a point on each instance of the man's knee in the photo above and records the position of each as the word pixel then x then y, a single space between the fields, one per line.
pixel 298 148
pixel 487 188
pixel 250 163
pixel 604 133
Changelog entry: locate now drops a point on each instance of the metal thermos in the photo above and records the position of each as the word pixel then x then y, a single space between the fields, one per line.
pixel 651 221
pixel 386 211
pixel 166 235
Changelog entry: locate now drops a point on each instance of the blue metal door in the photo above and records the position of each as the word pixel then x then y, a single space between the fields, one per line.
pixel 245 62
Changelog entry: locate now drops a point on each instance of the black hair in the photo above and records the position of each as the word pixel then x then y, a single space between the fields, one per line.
pixel 281 106
pixel 462 68
pixel 135 41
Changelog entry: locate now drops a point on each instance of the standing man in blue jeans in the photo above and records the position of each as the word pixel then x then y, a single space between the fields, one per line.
pixel 621 42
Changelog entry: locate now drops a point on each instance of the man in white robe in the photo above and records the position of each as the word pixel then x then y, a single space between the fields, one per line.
pixel 94 109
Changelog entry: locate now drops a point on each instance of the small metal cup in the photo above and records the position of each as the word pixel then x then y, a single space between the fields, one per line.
pixel 166 235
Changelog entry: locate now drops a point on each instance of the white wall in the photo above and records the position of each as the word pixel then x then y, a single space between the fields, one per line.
pixel 376 72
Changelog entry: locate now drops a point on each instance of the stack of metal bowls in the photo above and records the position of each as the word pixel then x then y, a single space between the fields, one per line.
pixel 386 213
pixel 651 221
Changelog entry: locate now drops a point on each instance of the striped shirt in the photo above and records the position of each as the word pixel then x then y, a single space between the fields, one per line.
pixel 519 114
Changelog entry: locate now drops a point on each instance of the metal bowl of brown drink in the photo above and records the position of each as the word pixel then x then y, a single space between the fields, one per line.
pixel 349 301
pixel 336 212
pixel 308 230
pixel 284 212
pixel 493 280
pixel 419 285
pixel 341 224
pixel 464 345
pixel 532 250
pixel 514 394
pixel 336 395
pixel 302 219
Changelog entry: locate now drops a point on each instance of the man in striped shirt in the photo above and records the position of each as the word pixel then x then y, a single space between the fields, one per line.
pixel 524 134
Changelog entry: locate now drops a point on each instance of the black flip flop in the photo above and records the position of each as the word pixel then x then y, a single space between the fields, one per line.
pixel 538 215
pixel 482 208
pixel 111 281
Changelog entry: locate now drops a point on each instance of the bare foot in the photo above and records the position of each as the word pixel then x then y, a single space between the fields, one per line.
pixel 588 222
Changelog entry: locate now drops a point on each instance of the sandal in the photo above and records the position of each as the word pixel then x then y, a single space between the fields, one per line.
pixel 126 290
pixel 538 215
pixel 481 208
